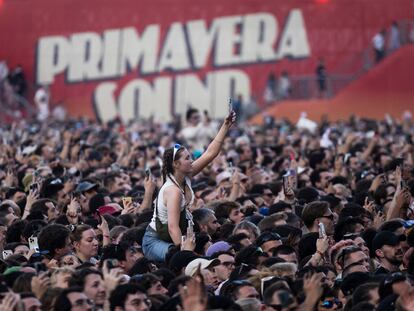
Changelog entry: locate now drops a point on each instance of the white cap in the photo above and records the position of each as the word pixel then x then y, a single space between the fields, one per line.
pixel 222 176
pixel 192 267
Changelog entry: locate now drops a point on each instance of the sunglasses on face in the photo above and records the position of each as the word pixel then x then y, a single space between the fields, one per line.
pixel 345 251
pixel 329 303
pixel 330 217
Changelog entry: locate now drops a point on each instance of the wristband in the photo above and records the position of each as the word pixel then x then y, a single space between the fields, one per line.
pixel 320 253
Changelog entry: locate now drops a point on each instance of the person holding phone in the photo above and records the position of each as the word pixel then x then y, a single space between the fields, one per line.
pixel 171 216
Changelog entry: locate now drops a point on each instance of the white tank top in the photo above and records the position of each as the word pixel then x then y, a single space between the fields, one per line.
pixel 162 209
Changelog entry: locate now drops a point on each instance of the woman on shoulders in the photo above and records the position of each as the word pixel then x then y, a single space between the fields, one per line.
pixel 171 215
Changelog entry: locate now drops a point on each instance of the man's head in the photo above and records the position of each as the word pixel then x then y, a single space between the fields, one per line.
pixel 55 239
pixel 115 183
pixel 193 116
pixel 47 207
pixel 268 241
pixel 91 282
pixel 30 302
pixel 206 220
pixel 318 212
pixel 277 298
pixel 245 153
pixel 87 188
pixel 353 259
pixel 394 283
pixel 129 297
pixel 150 282
pixel 387 248
pixel 73 299
pixel 287 253
pixel 207 269
pixel 272 221
pixel 320 178
pixel 226 265
pixel 124 252
pixel 239 289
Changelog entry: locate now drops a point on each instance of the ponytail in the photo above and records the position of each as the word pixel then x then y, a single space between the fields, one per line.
pixel 167 162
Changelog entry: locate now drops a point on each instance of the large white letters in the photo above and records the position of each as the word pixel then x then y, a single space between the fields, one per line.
pixel 135 49
pixel 52 58
pixel 225 41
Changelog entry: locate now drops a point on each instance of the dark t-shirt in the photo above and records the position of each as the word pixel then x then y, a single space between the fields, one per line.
pixel 381 270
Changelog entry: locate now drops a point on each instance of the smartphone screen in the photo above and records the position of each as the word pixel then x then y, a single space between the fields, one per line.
pixel 126 201
pixel 322 232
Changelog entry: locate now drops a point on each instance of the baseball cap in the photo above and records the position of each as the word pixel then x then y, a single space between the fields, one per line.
pixel 386 238
pixel 222 176
pixel 192 267
pixel 218 247
pixel 108 209
pixel 352 281
pixel 51 187
pixel 85 186
pixel 266 237
pixel 385 287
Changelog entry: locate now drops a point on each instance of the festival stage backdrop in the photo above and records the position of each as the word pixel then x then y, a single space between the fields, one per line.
pixel 131 58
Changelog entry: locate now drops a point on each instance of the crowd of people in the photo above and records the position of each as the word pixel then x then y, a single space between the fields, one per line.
pixel 203 216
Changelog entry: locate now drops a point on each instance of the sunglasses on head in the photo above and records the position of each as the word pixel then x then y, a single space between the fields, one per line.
pixel 176 148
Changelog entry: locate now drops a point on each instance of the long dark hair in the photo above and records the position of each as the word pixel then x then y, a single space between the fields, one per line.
pixel 167 161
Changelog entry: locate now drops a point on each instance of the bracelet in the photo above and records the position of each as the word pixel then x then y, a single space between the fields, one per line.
pixel 320 253
pixel 218 141
pixel 106 236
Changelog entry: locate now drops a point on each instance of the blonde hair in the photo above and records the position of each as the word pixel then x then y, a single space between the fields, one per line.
pixel 282 269
pixel 53 276
pixel 256 280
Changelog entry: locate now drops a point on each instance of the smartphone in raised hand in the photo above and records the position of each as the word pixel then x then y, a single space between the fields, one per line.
pixel 6 253
pixel 126 201
pixel 322 232
pixel 230 105
pixel 190 228
pixel 33 244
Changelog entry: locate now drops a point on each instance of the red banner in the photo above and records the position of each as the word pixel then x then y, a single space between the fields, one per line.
pixel 133 58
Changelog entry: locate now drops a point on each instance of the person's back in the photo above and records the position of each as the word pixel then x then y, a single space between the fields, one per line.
pixel 160 209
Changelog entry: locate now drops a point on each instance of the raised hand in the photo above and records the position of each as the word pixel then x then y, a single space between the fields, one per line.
pixel 40 284
pixel 72 213
pixel 9 301
pixel 193 296
pixel 230 119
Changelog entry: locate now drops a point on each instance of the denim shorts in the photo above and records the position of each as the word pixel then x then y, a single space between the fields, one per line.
pixel 154 248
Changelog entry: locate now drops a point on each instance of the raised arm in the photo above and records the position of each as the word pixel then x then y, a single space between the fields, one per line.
pixel 214 148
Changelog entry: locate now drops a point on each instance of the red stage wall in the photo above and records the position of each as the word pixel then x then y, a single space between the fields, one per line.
pixel 136 58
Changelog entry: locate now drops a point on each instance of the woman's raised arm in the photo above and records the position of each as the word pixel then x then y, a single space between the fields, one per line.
pixel 215 146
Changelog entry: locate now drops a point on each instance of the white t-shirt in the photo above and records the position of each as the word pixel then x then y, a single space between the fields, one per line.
pixel 42 102
pixel 378 42
pixel 162 209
